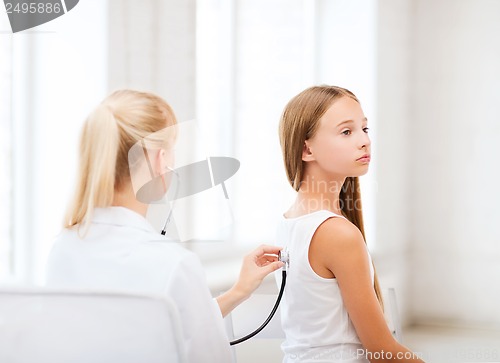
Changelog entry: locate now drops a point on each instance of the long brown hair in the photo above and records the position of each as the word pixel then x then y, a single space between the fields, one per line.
pixel 299 122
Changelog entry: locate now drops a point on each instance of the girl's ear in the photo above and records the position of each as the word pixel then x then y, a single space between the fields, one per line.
pixel 307 154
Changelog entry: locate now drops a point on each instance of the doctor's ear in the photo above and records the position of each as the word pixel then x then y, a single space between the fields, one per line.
pixel 160 162
pixel 307 154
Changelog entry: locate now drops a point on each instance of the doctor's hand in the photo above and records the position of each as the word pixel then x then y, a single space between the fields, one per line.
pixel 256 265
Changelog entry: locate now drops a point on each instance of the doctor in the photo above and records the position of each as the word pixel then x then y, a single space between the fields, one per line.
pixel 107 243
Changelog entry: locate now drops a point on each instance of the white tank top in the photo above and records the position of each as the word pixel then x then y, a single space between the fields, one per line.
pixel 315 321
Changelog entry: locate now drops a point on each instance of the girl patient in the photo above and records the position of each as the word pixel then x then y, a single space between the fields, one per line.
pixel 332 309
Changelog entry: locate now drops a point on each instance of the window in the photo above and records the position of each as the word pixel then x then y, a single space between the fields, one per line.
pixel 40 124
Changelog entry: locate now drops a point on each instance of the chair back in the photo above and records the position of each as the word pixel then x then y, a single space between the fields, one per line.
pixel 48 326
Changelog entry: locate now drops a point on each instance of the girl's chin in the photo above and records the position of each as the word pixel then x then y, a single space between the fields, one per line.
pixel 360 172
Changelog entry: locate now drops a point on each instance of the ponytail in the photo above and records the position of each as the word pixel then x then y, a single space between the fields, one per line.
pixel 98 152
pixel 121 120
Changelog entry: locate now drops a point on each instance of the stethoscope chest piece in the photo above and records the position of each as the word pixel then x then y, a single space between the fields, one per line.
pixel 284 256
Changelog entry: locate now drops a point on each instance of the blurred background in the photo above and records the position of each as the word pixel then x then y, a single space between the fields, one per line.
pixel 427 73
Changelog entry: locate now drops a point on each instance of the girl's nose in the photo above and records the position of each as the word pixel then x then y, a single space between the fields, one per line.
pixel 365 141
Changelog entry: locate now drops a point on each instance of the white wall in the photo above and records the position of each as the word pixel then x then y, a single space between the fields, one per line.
pixel 455 130
pixel 152 48
pixel 393 213
pixel 438 129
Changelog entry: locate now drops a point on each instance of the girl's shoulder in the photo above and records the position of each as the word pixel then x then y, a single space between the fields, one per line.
pixel 334 242
pixel 337 232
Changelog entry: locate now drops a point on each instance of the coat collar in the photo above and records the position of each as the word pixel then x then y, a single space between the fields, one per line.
pixel 121 216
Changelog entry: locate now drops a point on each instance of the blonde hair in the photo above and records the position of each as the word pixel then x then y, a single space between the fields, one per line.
pixel 124 118
pixel 299 122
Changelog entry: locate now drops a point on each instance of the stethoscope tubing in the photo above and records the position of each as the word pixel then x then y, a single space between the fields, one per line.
pixel 259 329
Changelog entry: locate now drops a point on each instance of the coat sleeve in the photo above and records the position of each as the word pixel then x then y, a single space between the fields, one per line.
pixel 202 323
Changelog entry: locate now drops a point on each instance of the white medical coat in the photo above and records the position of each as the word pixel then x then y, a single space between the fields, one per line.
pixel 122 251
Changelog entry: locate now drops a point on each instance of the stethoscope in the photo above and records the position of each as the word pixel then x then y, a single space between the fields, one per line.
pixel 283 256
pixel 176 194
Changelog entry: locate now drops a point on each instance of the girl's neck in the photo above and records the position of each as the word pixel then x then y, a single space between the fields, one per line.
pixel 317 194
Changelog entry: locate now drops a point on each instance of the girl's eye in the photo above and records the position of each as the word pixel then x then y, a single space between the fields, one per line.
pixel 366 130
pixel 346 132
